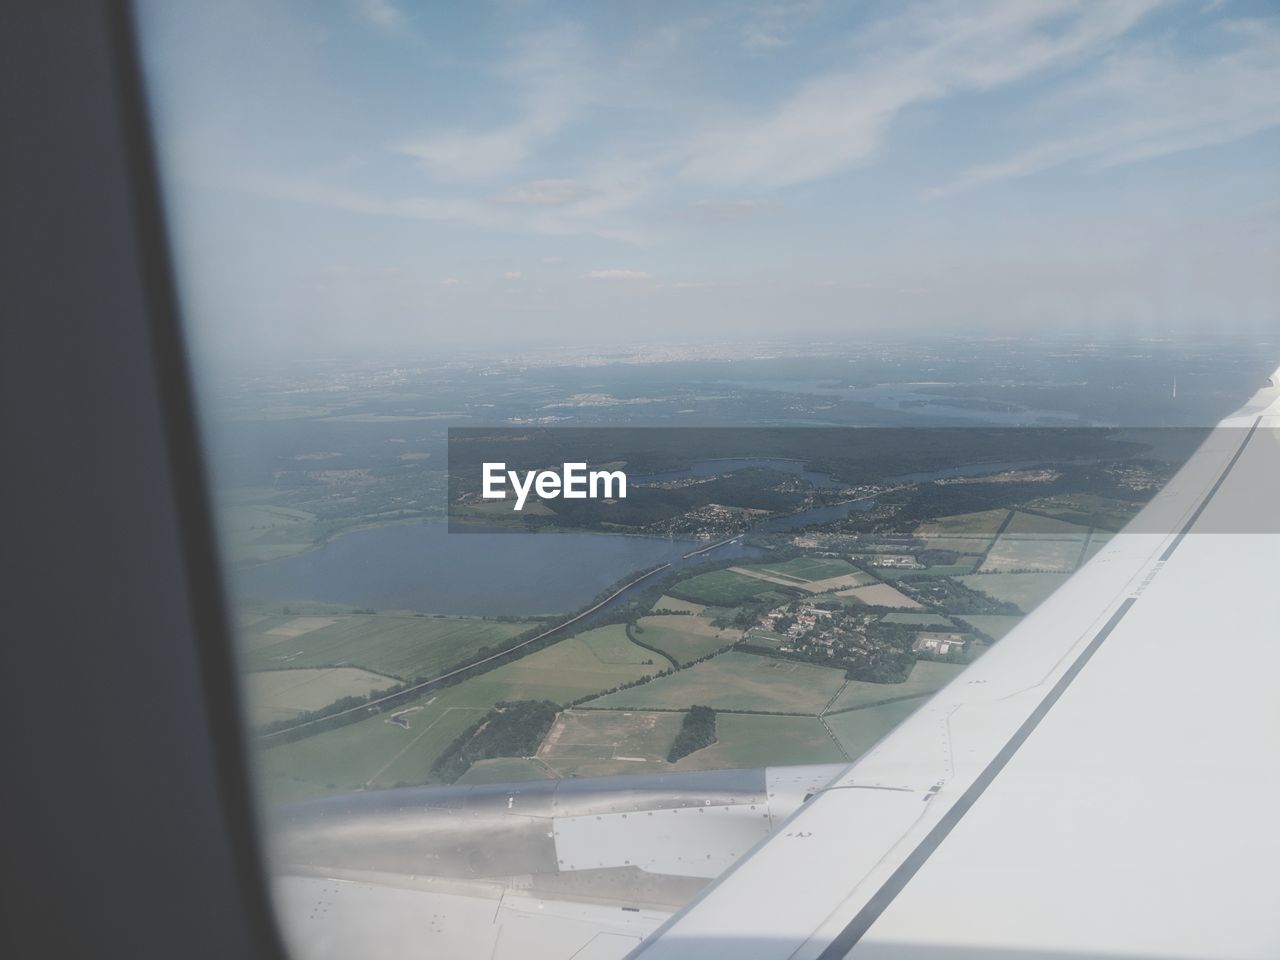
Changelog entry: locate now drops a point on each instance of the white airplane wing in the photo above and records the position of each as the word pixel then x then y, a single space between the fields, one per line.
pixel 1100 784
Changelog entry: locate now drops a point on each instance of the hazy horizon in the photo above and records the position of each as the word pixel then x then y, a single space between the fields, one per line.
pixel 375 177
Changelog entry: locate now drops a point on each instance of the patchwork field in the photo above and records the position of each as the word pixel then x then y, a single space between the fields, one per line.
pixel 853 579
pixel 725 588
pixel 592 743
pixel 809 569
pixel 283 694
pixel 1027 590
pixel 400 646
pixel 683 638
pixel 881 595
pixel 734 681
pixel 859 730
pixel 746 740
pixel 994 626
pixel 926 677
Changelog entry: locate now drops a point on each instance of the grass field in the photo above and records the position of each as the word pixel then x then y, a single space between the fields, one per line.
pixel 735 681
pixel 683 638
pixel 926 677
pixel 1027 590
pixel 374 751
pixel 611 645
pixel 746 740
pixel 724 588
pixel 881 595
pixel 592 743
pixel 673 605
pixel 398 646
pixel 259 532
pixel 993 626
pixel 859 730
pixel 283 694
pixel 505 770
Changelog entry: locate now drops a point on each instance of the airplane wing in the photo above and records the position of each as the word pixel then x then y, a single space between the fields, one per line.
pixel 1099 784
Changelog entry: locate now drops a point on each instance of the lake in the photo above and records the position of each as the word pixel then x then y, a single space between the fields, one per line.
pixel 423 567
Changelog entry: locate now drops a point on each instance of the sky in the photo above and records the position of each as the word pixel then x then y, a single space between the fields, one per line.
pixel 379 175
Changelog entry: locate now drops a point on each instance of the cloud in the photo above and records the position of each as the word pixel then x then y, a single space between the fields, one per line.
pixel 1150 104
pixel 618 275
pixel 553 259
pixel 839 119
pixel 512 275
pixel 775 25
pixel 451 282
pixel 545 73
pixel 542 193
pixel 383 13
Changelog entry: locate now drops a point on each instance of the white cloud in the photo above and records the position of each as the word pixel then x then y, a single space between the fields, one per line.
pixel 450 282
pixel 546 75
pixel 774 25
pixel 542 193
pixel 838 120
pixel 384 13
pixel 512 275
pixel 618 275
pixel 1152 104
pixel 553 259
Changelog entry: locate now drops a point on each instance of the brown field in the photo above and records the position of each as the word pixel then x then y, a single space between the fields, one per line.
pixel 592 743
pixel 881 595
pixel 283 694
pixel 298 626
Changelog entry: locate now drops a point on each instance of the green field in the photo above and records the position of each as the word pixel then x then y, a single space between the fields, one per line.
pixel 735 681
pixel 611 645
pixel 683 638
pixel 1031 523
pixel 859 730
pixel 274 695
pixel 671 604
pixel 984 523
pixel 724 588
pixel 746 740
pixel 1027 590
pixel 594 743
pixel 926 677
pixel 374 751
pixel 398 646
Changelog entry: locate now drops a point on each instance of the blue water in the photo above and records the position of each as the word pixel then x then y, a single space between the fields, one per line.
pixel 423 567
